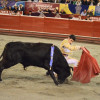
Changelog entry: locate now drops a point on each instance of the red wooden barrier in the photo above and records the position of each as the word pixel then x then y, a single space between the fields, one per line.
pixel 50 25
pixel 31 23
pixel 84 28
pixel 96 29
pixel 54 25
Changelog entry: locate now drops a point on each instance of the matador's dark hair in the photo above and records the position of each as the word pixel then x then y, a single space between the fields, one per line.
pixel 72 37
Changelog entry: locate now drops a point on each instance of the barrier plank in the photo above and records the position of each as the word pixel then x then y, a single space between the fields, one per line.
pixel 54 25
pixel 31 23
pixel 84 28
pixel 96 29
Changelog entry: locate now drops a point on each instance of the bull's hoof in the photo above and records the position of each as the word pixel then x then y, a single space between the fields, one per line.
pixel 25 68
pixel 66 81
pixel 47 73
pixel 60 81
pixel 56 83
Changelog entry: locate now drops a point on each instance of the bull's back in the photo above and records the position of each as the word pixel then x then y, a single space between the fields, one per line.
pixel 32 53
pixel 27 46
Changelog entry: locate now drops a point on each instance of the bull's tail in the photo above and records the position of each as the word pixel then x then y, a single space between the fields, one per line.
pixel 1 55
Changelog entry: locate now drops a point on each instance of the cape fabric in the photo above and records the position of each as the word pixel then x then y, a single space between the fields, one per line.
pixel 87 68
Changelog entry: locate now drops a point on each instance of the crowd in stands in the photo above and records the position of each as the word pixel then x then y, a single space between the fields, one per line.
pixel 46 12
pixel 87 14
pixel 4 3
pixel 74 2
pixel 6 8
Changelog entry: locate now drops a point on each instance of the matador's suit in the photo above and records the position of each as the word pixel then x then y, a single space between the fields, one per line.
pixel 66 49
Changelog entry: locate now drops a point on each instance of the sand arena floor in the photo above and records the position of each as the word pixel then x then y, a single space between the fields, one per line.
pixel 32 84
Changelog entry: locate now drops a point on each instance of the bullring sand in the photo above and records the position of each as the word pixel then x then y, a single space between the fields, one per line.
pixel 32 84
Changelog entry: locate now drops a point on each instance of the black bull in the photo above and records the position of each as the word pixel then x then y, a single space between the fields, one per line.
pixel 35 54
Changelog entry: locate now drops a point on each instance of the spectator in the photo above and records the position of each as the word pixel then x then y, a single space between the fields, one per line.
pixel 63 1
pixel 55 11
pixel 68 1
pixel 79 17
pixel 45 0
pixel 30 13
pixel 36 0
pixel 21 8
pixel 5 8
pixel 78 2
pixel 50 0
pixel 88 2
pixel 92 2
pixel 88 17
pixel 15 9
pixel 78 9
pixel 75 18
pixel 98 4
pixel 47 10
pixel 91 12
pixel 73 2
pixel 62 12
pixel 40 10
pixel 84 2
pixel 88 12
pixel 18 0
pixel 10 8
pixel 40 1
pixel 96 1
pixel 72 17
pixel 84 13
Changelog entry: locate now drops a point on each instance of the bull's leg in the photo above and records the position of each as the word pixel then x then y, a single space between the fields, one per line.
pixel 53 76
pixel 59 80
pixel 1 69
pixel 50 72
pixel 4 64
pixel 47 73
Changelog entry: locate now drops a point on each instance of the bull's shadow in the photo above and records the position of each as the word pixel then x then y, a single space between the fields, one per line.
pixel 26 78
pixel 32 78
